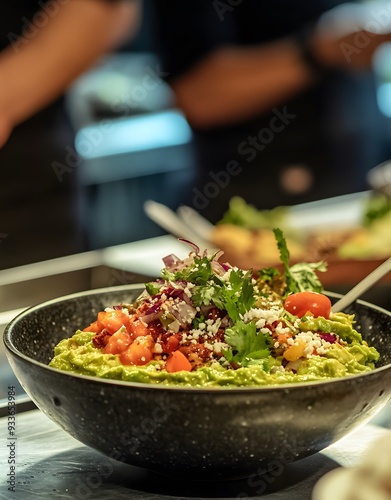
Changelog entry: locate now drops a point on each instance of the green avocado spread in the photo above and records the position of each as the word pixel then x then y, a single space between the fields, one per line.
pixel 207 324
pixel 78 355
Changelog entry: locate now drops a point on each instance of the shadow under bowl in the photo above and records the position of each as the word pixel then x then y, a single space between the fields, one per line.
pixel 202 433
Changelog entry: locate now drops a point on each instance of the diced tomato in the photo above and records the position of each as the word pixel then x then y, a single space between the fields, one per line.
pixel 202 351
pixel 156 329
pixel 171 344
pixel 94 327
pixel 177 362
pixel 139 352
pixel 113 320
pixel 100 339
pixel 137 328
pixel 117 343
pixel 303 303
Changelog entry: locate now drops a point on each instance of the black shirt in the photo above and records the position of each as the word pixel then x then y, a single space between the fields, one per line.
pixel 186 33
pixel 331 129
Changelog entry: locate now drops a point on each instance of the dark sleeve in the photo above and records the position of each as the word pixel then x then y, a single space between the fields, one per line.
pixel 185 33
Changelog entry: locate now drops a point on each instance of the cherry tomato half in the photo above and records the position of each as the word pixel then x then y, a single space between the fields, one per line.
pixel 303 303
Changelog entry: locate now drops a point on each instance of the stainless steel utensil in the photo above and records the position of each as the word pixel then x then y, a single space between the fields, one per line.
pixel 363 286
pixel 171 222
pixel 379 178
pixel 197 222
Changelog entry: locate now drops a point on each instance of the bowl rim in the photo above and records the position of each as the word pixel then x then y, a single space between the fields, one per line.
pixel 11 349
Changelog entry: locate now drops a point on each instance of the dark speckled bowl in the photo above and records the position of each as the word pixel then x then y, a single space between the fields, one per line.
pixel 202 433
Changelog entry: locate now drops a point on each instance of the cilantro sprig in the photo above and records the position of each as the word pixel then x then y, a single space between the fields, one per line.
pixel 236 295
pixel 199 272
pixel 300 277
pixel 248 346
pixel 152 288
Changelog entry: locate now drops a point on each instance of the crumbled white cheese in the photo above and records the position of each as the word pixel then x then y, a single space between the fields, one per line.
pixel 315 345
pixel 157 348
pixel 260 323
pixel 269 315
pixel 280 329
pixel 219 346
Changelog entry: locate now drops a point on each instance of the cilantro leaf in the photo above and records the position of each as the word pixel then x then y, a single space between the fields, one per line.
pixel 199 272
pixel 302 276
pixel 205 295
pixel 240 292
pixel 152 288
pixel 196 321
pixel 248 345
pixel 236 295
pixel 268 273
pixel 283 248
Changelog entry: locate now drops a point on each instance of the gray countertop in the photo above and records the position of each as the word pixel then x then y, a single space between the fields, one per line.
pixel 50 464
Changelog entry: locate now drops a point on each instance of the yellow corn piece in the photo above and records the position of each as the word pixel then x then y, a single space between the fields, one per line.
pixel 295 352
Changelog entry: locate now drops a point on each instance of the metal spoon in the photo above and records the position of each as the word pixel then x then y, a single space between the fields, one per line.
pixel 196 221
pixel 172 223
pixel 363 286
pixel 379 178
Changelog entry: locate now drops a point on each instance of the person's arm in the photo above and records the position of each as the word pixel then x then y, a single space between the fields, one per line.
pixel 42 68
pixel 348 36
pixel 235 83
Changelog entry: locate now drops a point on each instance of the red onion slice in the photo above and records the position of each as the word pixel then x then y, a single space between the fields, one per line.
pixel 328 337
pixel 196 248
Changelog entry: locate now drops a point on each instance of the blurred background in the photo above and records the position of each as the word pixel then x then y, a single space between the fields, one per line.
pixel 74 177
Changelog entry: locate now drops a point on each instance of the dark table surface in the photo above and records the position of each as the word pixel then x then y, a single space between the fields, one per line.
pixel 50 464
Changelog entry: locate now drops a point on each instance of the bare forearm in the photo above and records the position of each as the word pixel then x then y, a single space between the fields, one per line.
pixel 40 68
pixel 235 83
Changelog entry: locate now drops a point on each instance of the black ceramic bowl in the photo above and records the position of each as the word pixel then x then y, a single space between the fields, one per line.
pixel 203 433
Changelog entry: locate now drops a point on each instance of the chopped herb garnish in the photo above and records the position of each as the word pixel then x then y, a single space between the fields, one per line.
pixel 247 344
pixel 236 295
pixel 152 288
pixel 268 273
pixel 300 277
pixel 196 321
pixel 199 272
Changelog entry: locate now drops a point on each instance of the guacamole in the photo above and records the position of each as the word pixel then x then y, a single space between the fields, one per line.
pixel 207 324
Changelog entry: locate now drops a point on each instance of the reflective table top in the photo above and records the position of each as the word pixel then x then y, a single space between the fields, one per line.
pixel 49 464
